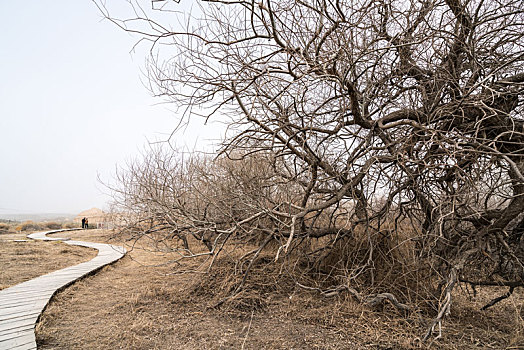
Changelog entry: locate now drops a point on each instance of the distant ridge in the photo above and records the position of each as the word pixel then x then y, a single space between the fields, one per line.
pixel 36 216
pixel 94 215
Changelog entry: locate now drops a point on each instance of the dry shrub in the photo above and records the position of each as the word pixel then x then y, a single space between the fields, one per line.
pixel 223 285
pixel 4 227
pixel 69 225
pixel 28 226
pixel 273 288
pixel 376 263
pixel 233 285
pixel 53 225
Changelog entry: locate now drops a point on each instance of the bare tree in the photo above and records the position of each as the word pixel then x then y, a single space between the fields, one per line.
pixel 378 114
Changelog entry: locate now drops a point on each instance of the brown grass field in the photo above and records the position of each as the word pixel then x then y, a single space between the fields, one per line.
pixel 22 261
pixel 130 305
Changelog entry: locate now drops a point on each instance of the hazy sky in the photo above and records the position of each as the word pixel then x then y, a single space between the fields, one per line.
pixel 72 105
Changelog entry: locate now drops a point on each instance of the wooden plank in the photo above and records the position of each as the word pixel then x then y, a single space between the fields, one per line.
pixel 8 326
pixel 20 314
pixel 24 341
pixel 13 303
pixel 7 335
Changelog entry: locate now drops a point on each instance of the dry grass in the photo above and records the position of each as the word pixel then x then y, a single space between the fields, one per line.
pixel 22 261
pixel 131 306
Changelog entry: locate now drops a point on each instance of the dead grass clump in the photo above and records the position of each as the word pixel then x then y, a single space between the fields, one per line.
pixel 369 263
pixel 224 287
pixel 70 225
pixel 29 226
pixel 53 225
pixel 4 227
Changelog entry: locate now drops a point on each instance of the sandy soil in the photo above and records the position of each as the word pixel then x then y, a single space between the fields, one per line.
pixel 27 259
pixel 132 306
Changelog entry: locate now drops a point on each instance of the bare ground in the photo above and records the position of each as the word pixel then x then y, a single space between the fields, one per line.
pixel 27 259
pixel 131 306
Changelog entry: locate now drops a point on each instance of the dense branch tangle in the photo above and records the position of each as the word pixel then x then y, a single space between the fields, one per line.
pixel 370 116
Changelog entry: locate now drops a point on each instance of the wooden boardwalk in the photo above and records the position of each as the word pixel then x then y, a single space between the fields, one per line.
pixel 22 304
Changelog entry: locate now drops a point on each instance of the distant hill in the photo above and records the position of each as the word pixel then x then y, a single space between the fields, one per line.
pixel 94 215
pixel 37 216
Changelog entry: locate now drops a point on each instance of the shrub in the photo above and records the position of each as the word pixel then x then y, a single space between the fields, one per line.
pixel 29 226
pixel 4 227
pixel 53 225
pixel 70 225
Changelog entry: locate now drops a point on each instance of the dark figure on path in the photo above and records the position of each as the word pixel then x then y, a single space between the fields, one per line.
pixel 83 222
pixel 87 224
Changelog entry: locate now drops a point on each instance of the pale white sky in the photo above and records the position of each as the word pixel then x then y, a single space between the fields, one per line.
pixel 72 105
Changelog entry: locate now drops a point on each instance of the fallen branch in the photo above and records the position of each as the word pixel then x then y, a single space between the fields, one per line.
pixel 370 300
pixel 496 300
pixel 376 299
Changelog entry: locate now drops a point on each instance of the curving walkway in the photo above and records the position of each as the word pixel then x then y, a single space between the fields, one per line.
pixel 22 304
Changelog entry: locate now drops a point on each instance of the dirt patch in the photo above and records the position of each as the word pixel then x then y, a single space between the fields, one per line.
pixel 129 305
pixel 22 259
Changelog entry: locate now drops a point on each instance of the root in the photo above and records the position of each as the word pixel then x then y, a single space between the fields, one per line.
pixel 496 300
pixel 370 300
